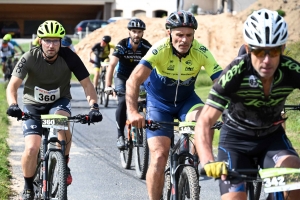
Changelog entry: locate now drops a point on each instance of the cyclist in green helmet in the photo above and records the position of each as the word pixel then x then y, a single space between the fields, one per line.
pixel 48 69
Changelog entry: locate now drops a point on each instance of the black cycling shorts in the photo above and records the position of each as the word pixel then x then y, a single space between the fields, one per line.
pixel 31 126
pixel 239 150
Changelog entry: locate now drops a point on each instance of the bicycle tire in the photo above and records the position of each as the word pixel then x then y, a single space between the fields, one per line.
pixel 167 182
pixel 254 190
pixel 38 177
pixel 57 176
pixel 188 185
pixel 126 154
pixel 141 154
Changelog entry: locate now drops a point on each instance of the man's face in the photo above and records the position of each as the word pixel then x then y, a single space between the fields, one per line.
pixel 50 46
pixel 182 38
pixel 265 60
pixel 136 35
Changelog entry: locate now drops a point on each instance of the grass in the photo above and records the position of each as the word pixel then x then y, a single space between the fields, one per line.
pixel 5 173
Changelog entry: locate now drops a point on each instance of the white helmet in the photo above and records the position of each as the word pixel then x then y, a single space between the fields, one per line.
pixel 265 28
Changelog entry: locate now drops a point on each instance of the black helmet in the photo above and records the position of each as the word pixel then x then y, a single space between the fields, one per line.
pixel 66 41
pixel 181 19
pixel 136 24
pixel 106 39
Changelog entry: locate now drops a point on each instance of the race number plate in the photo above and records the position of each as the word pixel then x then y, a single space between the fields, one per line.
pixel 55 121
pixel 187 127
pixel 44 96
pixel 280 179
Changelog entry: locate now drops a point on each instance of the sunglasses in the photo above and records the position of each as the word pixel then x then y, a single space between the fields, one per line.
pixel 260 53
pixel 54 42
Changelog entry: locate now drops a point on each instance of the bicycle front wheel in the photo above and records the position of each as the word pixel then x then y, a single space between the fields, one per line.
pixel 57 176
pixel 167 183
pixel 38 177
pixel 188 186
pixel 126 153
pixel 141 153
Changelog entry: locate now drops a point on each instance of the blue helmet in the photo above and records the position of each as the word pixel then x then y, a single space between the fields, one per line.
pixel 66 41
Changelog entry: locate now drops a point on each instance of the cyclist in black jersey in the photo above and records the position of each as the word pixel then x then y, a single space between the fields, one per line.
pixel 48 69
pixel 126 56
pixel 251 93
pixel 101 51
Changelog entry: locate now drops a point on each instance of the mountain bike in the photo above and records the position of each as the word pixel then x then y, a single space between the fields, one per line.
pixel 103 96
pixel 254 184
pixel 51 175
pixel 181 174
pixel 274 180
pixel 136 142
pixel 8 69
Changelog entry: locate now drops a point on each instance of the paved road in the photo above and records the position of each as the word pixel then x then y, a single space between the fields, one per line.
pixel 94 160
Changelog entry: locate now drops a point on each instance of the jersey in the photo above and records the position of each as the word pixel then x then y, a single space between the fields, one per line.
pixel 128 59
pixel 5 49
pixel 239 88
pixel 43 77
pixel 101 52
pixel 172 78
pixel 14 43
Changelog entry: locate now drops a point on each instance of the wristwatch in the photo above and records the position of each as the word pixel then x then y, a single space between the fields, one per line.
pixel 95 106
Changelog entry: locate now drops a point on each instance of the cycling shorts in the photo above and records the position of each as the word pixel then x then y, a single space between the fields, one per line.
pixel 31 126
pixel 167 111
pixel 98 62
pixel 120 84
pixel 267 149
pixel 3 59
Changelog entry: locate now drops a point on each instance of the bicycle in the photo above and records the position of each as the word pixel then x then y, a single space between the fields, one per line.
pixel 8 69
pixel 181 174
pixel 136 142
pixel 102 95
pixel 254 185
pixel 51 175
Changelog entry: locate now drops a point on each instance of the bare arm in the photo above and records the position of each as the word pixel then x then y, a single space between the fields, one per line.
pixel 137 77
pixel 203 134
pixel 89 90
pixel 110 70
pixel 12 90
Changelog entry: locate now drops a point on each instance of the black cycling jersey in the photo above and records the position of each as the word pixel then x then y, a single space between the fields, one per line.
pixel 242 50
pixel 239 87
pixel 128 59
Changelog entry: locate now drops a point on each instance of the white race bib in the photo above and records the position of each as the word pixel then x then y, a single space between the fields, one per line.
pixel 44 96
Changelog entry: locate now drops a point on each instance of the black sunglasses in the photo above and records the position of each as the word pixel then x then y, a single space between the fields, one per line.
pixel 260 52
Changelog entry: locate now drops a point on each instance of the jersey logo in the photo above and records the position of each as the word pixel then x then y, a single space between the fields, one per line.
pixel 253 81
pixel 189 68
pixel 188 62
pixel 203 49
pixel 154 51
pixel 20 65
pixel 171 67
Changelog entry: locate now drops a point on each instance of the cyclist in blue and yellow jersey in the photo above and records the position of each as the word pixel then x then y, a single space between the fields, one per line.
pixel 8 37
pixel 101 51
pixel 48 70
pixel 250 95
pixel 127 54
pixel 169 71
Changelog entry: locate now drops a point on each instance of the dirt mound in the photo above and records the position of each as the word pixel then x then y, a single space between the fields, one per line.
pixel 222 34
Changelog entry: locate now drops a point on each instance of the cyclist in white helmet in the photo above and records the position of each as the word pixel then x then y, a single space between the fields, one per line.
pixel 251 93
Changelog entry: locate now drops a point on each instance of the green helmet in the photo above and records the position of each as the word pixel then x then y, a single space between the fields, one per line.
pixel 7 37
pixel 51 28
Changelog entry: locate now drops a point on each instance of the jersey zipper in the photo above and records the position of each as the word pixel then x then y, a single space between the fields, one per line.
pixel 178 82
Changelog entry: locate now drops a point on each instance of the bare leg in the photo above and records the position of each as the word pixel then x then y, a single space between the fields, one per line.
pixel 29 157
pixel 159 150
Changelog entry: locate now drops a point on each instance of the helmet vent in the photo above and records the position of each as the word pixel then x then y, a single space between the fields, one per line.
pixel 268 35
pixel 258 38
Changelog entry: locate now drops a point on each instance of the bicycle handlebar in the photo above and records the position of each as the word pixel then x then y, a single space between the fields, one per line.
pixel 81 118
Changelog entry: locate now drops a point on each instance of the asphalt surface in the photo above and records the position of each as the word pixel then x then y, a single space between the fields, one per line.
pixel 94 159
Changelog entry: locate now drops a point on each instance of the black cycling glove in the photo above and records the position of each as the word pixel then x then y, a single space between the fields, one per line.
pixel 95 115
pixel 14 111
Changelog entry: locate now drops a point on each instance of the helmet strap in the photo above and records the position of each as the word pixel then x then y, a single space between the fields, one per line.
pixel 47 57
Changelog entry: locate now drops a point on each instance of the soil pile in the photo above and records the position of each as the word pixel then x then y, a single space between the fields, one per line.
pixel 221 34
